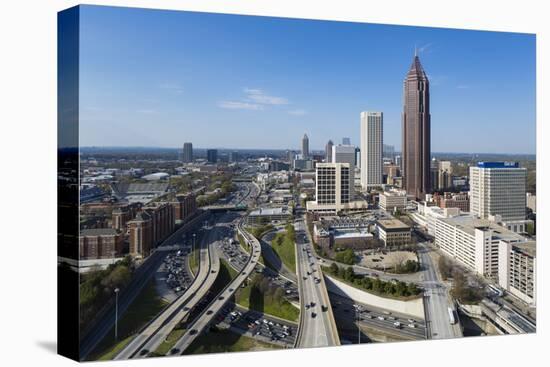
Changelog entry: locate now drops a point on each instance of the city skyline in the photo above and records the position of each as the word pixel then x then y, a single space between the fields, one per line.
pixel 261 87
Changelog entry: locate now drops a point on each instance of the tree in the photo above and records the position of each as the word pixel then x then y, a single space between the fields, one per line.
pixel 333 268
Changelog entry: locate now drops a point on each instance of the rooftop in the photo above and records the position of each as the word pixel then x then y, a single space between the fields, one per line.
pixel 529 248
pixel 392 224
pixel 98 232
pixel 469 224
pixel 270 211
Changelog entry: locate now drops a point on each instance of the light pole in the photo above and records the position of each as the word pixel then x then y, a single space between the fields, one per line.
pixel 116 313
pixel 358 328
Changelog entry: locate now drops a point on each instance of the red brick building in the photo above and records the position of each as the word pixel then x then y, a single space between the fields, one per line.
pixel 184 206
pixel 100 243
pixel 141 234
pixel 453 200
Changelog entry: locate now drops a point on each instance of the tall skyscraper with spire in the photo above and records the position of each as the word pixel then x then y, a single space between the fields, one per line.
pixel 305 147
pixel 416 131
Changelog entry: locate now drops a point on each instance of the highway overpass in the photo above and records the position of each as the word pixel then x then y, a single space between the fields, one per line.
pixel 204 320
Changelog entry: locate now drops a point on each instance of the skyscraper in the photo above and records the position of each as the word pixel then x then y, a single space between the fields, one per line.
pixel 187 152
pixel 416 131
pixel 212 155
pixel 372 133
pixel 344 154
pixel 305 147
pixel 346 141
pixel 498 189
pixel 328 151
pixel 333 187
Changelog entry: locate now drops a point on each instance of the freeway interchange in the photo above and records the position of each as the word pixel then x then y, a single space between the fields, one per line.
pixel 195 307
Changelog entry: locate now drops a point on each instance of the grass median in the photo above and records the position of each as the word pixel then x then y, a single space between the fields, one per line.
pixel 143 309
pixel 284 246
pixel 220 341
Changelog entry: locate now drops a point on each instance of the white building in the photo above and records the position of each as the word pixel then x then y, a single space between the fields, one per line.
pixel 426 215
pixel 393 200
pixel 517 269
pixel 333 187
pixel 371 149
pixel 474 242
pixel 498 189
pixel 343 154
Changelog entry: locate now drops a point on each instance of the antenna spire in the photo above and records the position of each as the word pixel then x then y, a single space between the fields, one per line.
pixel 415 51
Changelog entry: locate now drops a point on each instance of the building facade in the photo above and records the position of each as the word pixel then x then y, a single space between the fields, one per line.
pixel 343 154
pixel 328 151
pixel 392 200
pixel 473 242
pixel 100 243
pixel 333 187
pixel 141 235
pixel 187 152
pixel 393 232
pixel 499 189
pixel 416 128
pixel 212 155
pixel 517 270
pixel 372 135
pixel 305 147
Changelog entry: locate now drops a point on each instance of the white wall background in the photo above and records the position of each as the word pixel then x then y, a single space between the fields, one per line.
pixel 28 178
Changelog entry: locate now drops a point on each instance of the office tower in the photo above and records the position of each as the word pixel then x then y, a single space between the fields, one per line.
pixel 346 141
pixel 344 154
pixel 416 131
pixel 497 189
pixel 212 155
pixel 399 161
pixel 305 147
pixel 445 175
pixel 434 173
pixel 290 155
pixel 333 187
pixel 389 152
pixel 371 149
pixel 233 156
pixel 357 157
pixel 328 151
pixel 187 153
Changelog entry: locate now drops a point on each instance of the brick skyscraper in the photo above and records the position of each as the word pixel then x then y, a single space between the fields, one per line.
pixel 416 131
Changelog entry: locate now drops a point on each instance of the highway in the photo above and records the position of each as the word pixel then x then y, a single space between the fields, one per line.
pixel 436 299
pixel 200 324
pixel 274 261
pixel 142 275
pixel 317 326
pixel 156 331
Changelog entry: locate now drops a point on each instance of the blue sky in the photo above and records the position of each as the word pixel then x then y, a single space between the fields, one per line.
pixel 159 78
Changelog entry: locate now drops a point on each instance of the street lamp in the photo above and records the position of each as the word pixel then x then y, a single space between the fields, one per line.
pixel 357 315
pixel 116 313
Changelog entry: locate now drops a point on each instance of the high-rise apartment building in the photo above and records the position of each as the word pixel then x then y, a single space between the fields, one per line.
pixel 212 155
pixel 328 151
pixel 333 187
pixel 498 189
pixel 141 235
pixel 187 156
pixel 416 131
pixel 517 269
pixel 371 149
pixel 305 147
pixel 344 154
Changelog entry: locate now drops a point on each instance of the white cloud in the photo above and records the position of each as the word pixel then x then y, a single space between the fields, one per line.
pixel 258 96
pixel 298 112
pixel 174 87
pixel 238 105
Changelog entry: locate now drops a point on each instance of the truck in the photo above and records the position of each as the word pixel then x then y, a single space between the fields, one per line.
pixel 452 317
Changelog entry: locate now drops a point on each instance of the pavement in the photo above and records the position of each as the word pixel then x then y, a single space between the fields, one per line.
pixel 156 332
pixel 201 323
pixel 437 299
pixel 317 325
pixel 140 278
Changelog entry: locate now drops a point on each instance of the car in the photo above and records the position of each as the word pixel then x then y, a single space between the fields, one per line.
pixel 368 316
pixel 265 321
pixel 143 352
pixel 324 308
pixel 410 320
pixel 307 307
pixel 412 326
pixel 209 312
pixel 174 350
pixel 313 314
pixel 397 324
pixel 312 304
pixel 381 318
pixel 221 298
